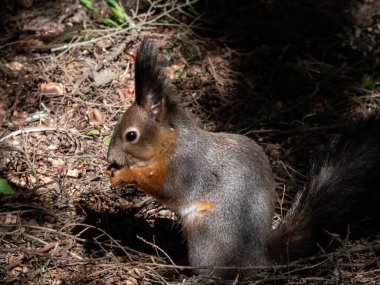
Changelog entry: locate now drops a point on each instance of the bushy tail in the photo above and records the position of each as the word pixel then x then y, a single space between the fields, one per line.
pixel 342 188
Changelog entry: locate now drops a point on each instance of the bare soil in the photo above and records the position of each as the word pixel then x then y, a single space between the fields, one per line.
pixel 287 74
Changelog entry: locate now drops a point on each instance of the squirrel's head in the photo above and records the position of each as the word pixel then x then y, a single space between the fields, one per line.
pixel 142 130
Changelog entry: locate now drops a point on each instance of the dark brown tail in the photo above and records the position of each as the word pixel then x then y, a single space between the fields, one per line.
pixel 343 188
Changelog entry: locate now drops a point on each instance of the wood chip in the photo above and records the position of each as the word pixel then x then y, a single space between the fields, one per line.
pixel 74 173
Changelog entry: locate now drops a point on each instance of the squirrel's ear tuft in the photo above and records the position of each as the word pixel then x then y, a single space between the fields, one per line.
pixel 150 81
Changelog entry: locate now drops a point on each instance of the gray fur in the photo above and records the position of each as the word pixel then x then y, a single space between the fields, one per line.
pixel 232 172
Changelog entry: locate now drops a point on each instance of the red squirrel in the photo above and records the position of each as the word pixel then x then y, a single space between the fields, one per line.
pixel 222 184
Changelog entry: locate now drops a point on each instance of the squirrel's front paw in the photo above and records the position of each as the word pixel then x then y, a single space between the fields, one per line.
pixel 118 177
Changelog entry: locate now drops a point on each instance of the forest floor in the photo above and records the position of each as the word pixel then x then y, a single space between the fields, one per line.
pixel 287 75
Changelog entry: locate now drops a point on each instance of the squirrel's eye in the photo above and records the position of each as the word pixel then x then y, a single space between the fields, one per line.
pixel 131 136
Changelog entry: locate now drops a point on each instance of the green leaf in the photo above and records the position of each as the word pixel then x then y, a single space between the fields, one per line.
pixel 168 54
pixel 5 188
pixel 110 22
pixel 107 140
pixel 88 4
pixel 181 73
pixel 93 133
pixel 116 10
pixel 368 82
pixel 90 7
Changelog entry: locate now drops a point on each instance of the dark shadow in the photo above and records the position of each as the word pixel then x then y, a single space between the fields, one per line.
pixel 130 228
pixel 300 59
pixel 26 205
pixel 17 212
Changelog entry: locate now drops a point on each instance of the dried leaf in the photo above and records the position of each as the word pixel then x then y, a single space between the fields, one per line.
pixel 172 70
pixel 11 259
pixel 102 78
pixel 104 43
pixel 27 3
pixel 15 66
pixel 53 88
pixel 131 281
pixel 125 94
pixel 194 70
pixel 98 51
pixel 57 163
pixel 94 116
pixel 25 269
pixel 19 115
pixel 3 112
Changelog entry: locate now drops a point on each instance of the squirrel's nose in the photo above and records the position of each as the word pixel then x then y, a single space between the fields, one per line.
pixel 112 162
pixel 111 158
pixel 115 158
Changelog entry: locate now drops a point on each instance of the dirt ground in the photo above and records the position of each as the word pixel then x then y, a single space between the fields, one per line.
pixel 287 74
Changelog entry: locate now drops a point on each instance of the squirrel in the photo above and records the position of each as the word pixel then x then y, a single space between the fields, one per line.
pixel 222 185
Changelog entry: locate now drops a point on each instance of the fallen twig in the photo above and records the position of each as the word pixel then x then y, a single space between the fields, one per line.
pixel 32 130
